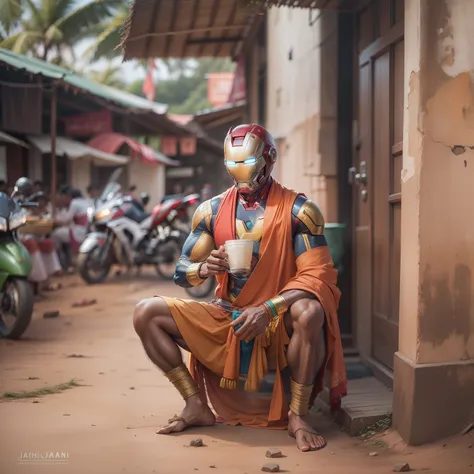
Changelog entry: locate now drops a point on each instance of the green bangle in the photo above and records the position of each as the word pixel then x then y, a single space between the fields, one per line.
pixel 272 308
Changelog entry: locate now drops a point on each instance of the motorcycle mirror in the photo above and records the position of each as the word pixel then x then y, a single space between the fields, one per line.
pixel 14 192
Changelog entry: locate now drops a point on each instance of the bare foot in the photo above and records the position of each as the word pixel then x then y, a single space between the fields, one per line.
pixel 195 413
pixel 307 438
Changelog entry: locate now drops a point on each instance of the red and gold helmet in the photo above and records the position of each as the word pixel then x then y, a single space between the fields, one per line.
pixel 250 154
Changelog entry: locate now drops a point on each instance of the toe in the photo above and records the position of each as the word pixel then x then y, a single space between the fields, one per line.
pixel 174 427
pixel 302 443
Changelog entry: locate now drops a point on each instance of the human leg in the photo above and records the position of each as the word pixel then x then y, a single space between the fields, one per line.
pixel 161 339
pixel 306 355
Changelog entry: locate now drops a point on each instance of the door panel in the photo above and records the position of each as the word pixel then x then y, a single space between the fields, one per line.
pixel 377 199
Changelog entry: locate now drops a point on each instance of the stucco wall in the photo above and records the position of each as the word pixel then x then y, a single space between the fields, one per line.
pixel 293 100
pixel 149 179
pixel 437 281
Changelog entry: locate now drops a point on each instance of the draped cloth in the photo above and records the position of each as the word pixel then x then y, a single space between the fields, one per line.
pixel 215 351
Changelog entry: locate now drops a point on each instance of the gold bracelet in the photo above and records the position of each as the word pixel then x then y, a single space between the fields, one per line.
pixel 300 396
pixel 280 304
pixel 182 380
pixel 192 274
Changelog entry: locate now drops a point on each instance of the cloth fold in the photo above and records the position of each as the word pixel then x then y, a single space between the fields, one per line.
pixel 277 271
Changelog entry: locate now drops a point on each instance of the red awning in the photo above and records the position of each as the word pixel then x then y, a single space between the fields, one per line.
pixel 112 142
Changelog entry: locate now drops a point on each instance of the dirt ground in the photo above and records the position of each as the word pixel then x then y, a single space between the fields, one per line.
pixel 107 425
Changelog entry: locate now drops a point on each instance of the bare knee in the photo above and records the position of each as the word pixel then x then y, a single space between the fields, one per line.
pixel 308 316
pixel 146 310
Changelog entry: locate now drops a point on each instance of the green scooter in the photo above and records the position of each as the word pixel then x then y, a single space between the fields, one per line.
pixel 16 292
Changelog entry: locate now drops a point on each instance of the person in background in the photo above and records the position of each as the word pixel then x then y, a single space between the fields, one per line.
pixel 71 228
pixel 94 195
pixel 44 260
pixel 3 187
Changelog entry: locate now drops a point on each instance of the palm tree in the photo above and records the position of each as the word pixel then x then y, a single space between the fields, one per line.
pixel 49 29
pixel 108 34
pixel 110 76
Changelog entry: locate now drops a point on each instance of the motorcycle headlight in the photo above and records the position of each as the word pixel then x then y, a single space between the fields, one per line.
pixel 102 214
pixel 3 224
pixel 17 219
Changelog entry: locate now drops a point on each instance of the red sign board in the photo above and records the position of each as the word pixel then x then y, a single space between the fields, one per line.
pixel 187 146
pixel 238 91
pixel 219 85
pixel 169 146
pixel 91 123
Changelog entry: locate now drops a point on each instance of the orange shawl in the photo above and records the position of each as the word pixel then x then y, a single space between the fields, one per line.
pixel 278 271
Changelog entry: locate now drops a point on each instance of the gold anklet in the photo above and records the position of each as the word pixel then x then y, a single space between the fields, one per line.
pixel 181 378
pixel 300 395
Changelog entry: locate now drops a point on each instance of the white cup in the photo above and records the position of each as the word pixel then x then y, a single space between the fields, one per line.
pixel 239 254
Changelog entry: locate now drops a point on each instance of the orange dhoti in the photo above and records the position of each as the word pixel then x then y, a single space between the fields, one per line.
pixel 206 329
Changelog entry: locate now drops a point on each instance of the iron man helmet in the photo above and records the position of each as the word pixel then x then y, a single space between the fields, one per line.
pixel 250 154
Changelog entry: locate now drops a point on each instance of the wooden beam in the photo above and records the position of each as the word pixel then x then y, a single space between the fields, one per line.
pixel 53 125
pixel 174 15
pixel 193 25
pixel 156 9
pixel 215 9
pixel 229 21
pixel 203 41
pixel 248 36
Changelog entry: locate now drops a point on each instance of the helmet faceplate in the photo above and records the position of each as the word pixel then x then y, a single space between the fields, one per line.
pixel 250 154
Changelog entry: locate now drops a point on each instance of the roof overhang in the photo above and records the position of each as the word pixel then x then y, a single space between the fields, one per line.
pixel 76 150
pixel 338 5
pixel 221 115
pixel 186 28
pixel 6 138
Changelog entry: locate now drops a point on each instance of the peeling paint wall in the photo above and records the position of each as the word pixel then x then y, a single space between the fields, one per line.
pixel 438 180
pixel 301 105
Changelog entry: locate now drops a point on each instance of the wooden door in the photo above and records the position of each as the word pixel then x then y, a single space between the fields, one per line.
pixel 378 133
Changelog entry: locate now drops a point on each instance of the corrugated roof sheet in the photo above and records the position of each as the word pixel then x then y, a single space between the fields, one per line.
pixel 43 68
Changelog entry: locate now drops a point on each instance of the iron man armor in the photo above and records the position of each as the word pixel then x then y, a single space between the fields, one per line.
pixel 308 233
pixel 250 154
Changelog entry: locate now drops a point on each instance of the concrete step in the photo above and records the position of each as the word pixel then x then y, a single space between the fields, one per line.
pixel 367 402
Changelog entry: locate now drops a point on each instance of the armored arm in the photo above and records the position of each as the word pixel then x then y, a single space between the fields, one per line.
pixel 308 226
pixel 197 247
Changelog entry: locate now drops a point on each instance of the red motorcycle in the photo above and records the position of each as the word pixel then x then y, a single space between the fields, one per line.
pixel 122 232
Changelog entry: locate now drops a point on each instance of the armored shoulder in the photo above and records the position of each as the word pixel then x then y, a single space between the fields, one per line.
pixel 307 216
pixel 205 213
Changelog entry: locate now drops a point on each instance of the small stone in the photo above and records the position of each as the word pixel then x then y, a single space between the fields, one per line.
pixel 51 314
pixel 274 453
pixel 35 401
pixel 271 467
pixel 196 443
pixel 212 466
pixel 92 425
pixel 66 414
pixel 470 446
pixel 373 454
pixel 402 467
pixel 131 388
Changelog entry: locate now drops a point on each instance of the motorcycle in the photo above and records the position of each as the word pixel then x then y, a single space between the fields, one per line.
pixel 123 232
pixel 204 290
pixel 16 292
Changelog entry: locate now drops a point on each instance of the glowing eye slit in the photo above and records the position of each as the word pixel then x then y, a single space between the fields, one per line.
pixel 250 161
pixel 230 163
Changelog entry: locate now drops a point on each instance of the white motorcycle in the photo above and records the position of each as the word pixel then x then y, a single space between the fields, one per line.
pixel 122 232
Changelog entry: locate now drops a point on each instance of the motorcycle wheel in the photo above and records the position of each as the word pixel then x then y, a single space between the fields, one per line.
pixel 86 263
pixel 17 303
pixel 203 290
pixel 167 268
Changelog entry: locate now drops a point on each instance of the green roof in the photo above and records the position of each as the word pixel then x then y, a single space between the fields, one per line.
pixel 51 71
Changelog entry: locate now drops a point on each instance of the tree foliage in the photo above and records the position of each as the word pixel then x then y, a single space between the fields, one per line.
pixel 185 91
pixel 49 29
